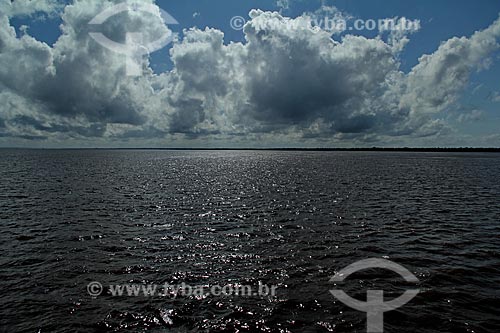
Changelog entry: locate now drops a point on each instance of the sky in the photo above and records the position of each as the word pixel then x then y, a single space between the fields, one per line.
pixel 252 74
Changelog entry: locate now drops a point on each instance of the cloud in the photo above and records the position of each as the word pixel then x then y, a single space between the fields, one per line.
pixel 438 79
pixel 495 96
pixel 283 4
pixel 399 29
pixel 77 77
pixel 285 83
pixel 473 115
pixel 13 8
pixel 287 76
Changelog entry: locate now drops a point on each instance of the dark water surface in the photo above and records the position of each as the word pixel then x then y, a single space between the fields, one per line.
pixel 290 219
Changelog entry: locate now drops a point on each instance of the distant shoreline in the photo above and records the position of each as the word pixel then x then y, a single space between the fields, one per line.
pixel 373 149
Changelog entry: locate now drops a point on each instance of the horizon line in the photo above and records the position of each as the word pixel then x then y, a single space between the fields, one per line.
pixel 381 149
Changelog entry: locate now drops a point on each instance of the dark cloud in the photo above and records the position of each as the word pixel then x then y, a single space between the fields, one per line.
pixel 24 137
pixel 189 114
pixel 148 133
pixel 93 130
